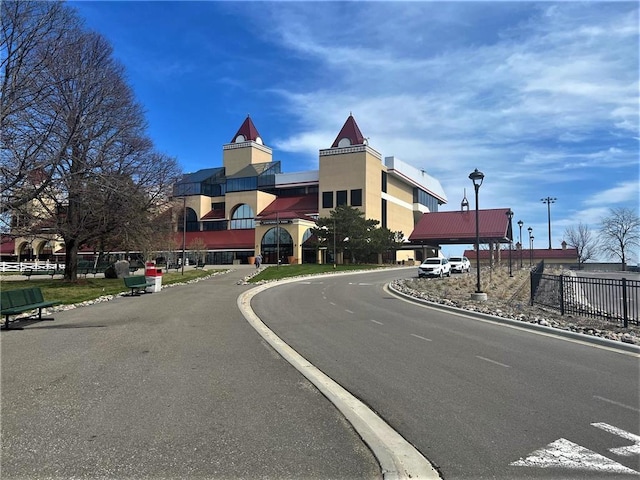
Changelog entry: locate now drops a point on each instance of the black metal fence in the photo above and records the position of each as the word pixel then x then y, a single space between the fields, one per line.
pixel 606 298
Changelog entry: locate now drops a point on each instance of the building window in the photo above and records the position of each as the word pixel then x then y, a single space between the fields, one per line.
pixel 356 198
pixel 423 198
pixel 327 199
pixel 384 182
pixel 384 213
pixel 341 197
pixel 242 218
pixel 192 223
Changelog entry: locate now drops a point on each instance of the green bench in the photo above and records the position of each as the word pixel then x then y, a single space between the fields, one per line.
pixel 137 283
pixel 14 302
pixel 28 272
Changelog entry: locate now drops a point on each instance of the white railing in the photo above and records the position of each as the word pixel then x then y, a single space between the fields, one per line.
pixel 22 266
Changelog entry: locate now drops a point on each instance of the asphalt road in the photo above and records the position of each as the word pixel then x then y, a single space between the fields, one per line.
pixel 478 399
pixel 174 384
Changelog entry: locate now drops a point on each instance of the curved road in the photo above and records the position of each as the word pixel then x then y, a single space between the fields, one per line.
pixel 478 399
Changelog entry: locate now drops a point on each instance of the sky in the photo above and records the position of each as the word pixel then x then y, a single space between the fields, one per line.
pixel 541 97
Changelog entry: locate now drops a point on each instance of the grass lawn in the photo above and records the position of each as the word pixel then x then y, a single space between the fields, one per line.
pixel 286 271
pixel 91 288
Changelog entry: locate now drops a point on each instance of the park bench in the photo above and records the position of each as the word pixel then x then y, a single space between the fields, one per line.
pixel 28 272
pixel 14 302
pixel 137 283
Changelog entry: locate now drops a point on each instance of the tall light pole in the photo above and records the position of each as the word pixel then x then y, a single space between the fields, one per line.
pixel 549 201
pixel 510 217
pixel 530 245
pixel 184 228
pixel 278 240
pixel 334 241
pixel 477 177
pixel 520 224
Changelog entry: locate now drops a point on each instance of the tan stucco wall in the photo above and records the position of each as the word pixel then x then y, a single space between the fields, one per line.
pixel 257 200
pixel 247 153
pixel 352 171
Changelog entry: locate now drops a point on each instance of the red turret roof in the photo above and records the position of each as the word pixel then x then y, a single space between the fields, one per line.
pixel 248 130
pixel 351 131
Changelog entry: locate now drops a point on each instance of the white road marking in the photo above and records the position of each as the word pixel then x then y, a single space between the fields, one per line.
pixel 623 451
pixel 565 454
pixel 348 311
pixel 613 402
pixel 332 304
pixel 493 361
pixel 421 338
pixel 375 321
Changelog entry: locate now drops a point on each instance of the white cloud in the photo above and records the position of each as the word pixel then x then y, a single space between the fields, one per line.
pixel 621 193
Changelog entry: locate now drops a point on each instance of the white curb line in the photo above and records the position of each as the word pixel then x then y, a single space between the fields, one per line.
pixel 398 458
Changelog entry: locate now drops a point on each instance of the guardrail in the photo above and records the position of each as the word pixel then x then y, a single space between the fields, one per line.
pixel 605 298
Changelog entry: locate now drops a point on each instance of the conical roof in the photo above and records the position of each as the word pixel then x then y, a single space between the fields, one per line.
pixel 349 135
pixel 247 132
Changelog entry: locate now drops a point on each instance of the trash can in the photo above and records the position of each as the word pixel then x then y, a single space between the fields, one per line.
pixel 153 275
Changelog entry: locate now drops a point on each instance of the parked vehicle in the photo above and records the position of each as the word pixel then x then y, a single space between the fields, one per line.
pixel 459 264
pixel 434 267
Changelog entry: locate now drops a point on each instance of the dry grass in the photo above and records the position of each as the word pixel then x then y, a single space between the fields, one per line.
pixel 509 296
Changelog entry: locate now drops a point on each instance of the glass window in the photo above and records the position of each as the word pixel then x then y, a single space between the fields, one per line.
pixel 384 182
pixel 327 199
pixel 341 197
pixel 356 198
pixel 242 218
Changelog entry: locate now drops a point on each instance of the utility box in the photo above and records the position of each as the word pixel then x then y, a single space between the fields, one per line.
pixel 153 275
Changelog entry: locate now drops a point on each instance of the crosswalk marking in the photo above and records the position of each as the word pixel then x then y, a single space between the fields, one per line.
pixel 565 454
pixel 623 451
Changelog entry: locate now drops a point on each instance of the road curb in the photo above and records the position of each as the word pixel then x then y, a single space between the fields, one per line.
pixel 626 347
pixel 398 459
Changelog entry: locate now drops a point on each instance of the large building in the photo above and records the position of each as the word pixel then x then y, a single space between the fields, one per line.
pixel 248 206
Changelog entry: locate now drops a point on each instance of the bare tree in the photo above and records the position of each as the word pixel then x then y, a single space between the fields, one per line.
pixel 581 238
pixel 31 36
pixel 620 233
pixel 100 179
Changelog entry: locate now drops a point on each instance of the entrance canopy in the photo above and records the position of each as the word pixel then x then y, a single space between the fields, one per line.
pixel 448 228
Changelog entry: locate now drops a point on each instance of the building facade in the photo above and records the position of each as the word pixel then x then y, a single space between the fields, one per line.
pixel 248 206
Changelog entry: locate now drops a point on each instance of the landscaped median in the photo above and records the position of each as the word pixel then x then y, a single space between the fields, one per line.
pixel 86 291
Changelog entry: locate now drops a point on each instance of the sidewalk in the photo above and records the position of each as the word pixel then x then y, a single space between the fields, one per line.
pixel 174 384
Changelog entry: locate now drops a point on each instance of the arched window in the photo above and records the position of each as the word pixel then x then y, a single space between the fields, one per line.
pixel 242 218
pixel 276 243
pixel 192 221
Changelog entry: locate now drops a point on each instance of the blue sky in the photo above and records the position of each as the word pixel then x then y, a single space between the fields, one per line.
pixel 543 98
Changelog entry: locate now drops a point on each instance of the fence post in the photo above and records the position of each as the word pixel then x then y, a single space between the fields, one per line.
pixel 625 313
pixel 561 294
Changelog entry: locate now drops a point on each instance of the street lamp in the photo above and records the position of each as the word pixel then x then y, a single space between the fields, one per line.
pixel 549 201
pixel 184 228
pixel 334 241
pixel 510 217
pixel 477 177
pixel 530 243
pixel 520 224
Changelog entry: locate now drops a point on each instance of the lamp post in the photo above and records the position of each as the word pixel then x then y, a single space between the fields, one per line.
pixel 510 217
pixel 549 201
pixel 477 177
pixel 530 245
pixel 520 224
pixel 184 228
pixel 334 241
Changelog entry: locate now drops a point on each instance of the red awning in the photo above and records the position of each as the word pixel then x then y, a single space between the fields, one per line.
pixel 459 227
